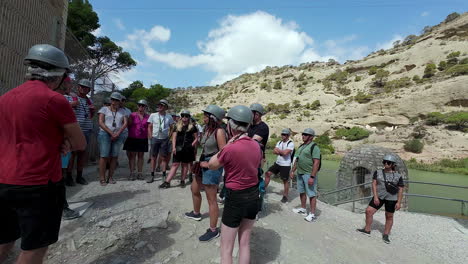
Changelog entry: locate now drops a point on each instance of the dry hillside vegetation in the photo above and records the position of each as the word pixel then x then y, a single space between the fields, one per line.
pixel 390 93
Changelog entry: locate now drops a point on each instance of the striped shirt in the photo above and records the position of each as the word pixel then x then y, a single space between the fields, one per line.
pixel 83 114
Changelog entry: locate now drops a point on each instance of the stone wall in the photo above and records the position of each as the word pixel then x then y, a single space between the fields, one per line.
pixel 358 166
pixel 24 23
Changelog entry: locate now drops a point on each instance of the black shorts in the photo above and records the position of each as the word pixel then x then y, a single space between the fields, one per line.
pixel 185 156
pixel 389 205
pixel 239 205
pixel 282 170
pixel 33 213
pixel 159 146
pixel 136 144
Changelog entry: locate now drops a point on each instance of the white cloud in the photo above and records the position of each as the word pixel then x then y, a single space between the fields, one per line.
pixel 141 36
pixel 341 50
pixel 123 79
pixel 98 32
pixel 424 14
pixel 119 24
pixel 389 44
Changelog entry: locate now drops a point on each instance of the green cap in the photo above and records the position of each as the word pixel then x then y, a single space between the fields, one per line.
pixel 257 108
pixel 240 113
pixel 215 110
pixel 85 83
pixel 390 157
pixel 116 96
pixel 309 131
pixel 286 131
pixel 48 54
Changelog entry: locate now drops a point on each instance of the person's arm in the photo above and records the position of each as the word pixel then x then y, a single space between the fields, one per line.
pixel 220 138
pixel 285 152
pixel 293 168
pixel 257 138
pixel 129 120
pixel 400 197
pixel 374 191
pixel 73 104
pixel 102 123
pixel 314 171
pixel 195 139
pixel 214 163
pixel 150 130
pixel 73 138
pixel 174 141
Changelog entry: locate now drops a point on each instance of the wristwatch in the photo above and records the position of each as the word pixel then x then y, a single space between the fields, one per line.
pixel 312 176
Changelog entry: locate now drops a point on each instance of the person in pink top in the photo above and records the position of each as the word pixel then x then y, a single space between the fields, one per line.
pixel 241 159
pixel 137 141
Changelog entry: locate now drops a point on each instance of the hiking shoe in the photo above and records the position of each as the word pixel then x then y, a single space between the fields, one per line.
pixel 139 176
pixel 220 200
pixel 69 181
pixel 165 185
pixel 158 169
pixel 192 215
pixel 362 230
pixel 301 211
pixel 132 176
pixel 284 199
pixel 69 214
pixel 310 218
pixel 182 184
pixel 385 239
pixel 150 178
pixel 209 235
pixel 81 180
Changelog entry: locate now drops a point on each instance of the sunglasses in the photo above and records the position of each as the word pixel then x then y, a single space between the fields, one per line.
pixel 304 135
pixel 388 162
pixel 187 116
pixel 285 134
pixel 140 105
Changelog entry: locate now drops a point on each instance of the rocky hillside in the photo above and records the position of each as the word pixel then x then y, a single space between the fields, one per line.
pixel 389 93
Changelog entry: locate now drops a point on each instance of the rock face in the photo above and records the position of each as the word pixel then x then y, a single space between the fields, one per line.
pixel 358 166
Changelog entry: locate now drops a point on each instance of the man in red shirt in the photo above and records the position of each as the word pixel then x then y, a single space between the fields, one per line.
pixel 37 125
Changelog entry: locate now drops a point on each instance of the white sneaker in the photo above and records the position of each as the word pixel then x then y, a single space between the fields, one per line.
pixel 310 218
pixel 301 211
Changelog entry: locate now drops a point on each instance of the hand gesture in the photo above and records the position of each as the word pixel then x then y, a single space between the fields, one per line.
pixel 311 181
pixel 376 201
pixel 65 147
pixel 397 206
pixel 204 164
pixel 291 175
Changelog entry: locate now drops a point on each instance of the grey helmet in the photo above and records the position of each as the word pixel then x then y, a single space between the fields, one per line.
pixel 240 113
pixel 143 102
pixel 309 131
pixel 48 54
pixel 215 110
pixel 107 101
pixel 285 131
pixel 390 157
pixel 116 96
pixel 85 83
pixel 164 102
pixel 123 97
pixel 257 108
pixel 185 112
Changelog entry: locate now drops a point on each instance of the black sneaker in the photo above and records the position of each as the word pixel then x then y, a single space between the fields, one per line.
pixel 69 214
pixel 209 235
pixel 165 185
pixel 152 173
pixel 385 239
pixel 284 199
pixel 192 215
pixel 182 184
pixel 150 178
pixel 81 181
pixel 69 181
pixel 362 230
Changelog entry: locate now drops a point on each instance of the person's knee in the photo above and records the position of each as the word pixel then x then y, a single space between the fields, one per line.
pixel 388 216
pixel 370 210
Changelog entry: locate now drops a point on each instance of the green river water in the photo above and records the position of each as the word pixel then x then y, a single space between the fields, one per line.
pixel 327 181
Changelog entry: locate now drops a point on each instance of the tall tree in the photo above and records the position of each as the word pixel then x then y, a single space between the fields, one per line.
pixel 82 21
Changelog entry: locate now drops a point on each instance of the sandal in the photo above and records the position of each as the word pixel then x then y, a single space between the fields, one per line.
pixel 103 182
pixel 112 181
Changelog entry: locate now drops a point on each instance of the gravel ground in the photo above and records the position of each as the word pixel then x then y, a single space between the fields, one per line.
pixel 135 222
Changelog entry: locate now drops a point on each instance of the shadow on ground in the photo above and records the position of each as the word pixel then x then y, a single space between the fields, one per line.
pixel 261 252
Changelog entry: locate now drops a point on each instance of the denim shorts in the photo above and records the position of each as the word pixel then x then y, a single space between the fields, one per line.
pixel 304 187
pixel 211 176
pixel 108 148
pixel 87 134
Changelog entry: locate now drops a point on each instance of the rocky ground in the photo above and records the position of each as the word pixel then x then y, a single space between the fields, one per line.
pixel 135 222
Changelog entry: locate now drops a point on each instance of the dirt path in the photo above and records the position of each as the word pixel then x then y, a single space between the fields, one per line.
pixel 135 222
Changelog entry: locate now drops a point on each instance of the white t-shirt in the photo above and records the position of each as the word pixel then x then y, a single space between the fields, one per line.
pixel 285 160
pixel 161 124
pixel 112 117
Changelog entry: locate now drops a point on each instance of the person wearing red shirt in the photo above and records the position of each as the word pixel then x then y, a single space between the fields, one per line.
pixel 241 159
pixel 38 125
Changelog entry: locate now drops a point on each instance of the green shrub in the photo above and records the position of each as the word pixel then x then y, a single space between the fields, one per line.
pixel 339 102
pixel 355 133
pixel 296 103
pixel 397 84
pixel 454 54
pixel 380 77
pixel 301 90
pixel 327 84
pixel 414 145
pixel 430 70
pixel 362 98
pixel 463 61
pixel 304 82
pixel 339 76
pixel 301 76
pixel 373 70
pixel 278 85
pixel 299 119
pixel 452 62
pixel 457 119
pixel 442 66
pixel 460 69
pixel 314 105
pixel 451 17
pixel 306 113
pixel 263 85
pixel 459 166
pixel 434 118
pixel 416 78
pixel 357 78
pixel 282 116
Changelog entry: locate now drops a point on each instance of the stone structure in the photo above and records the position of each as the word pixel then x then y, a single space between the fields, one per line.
pixel 358 166
pixel 24 23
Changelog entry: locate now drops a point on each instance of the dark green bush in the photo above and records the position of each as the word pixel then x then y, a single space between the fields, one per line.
pixel 278 85
pixel 373 70
pixel 414 145
pixel 454 54
pixel 357 78
pixel 434 118
pixel 397 84
pixel 463 61
pixel 430 70
pixel 442 66
pixel 263 85
pixel 355 133
pixel 456 70
pixel 457 119
pixel 362 98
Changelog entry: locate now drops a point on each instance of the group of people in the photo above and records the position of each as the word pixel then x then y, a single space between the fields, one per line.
pixel 43 117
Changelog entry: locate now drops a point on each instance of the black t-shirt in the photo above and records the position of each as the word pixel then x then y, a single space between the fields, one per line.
pixel 185 138
pixel 262 130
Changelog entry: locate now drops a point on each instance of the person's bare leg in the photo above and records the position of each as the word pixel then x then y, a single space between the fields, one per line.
pixel 286 188
pixel 228 237
pixel 5 250
pixel 184 171
pixel 80 161
pixel 140 161
pixel 267 178
pixel 102 168
pixel 196 195
pixel 113 164
pixel 131 161
pixel 370 211
pixel 35 256
pixel 71 162
pixel 313 204
pixel 163 164
pixel 211 191
pixel 303 198
pixel 245 229
pixel 388 223
pixel 173 171
pixel 154 160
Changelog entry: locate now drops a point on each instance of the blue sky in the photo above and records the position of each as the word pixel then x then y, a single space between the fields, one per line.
pixel 197 43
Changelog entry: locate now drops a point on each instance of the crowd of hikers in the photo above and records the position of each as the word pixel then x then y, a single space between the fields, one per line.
pixel 44 117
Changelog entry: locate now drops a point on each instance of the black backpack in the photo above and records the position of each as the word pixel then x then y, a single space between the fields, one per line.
pixel 312 151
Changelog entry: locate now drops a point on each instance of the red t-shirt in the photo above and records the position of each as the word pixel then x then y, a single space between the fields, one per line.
pixel 241 161
pixel 32 117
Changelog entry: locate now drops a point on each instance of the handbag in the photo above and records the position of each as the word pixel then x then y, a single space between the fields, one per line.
pixel 390 186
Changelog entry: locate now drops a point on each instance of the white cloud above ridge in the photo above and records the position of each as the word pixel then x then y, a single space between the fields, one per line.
pixel 142 37
pixel 389 44
pixel 119 24
pixel 425 14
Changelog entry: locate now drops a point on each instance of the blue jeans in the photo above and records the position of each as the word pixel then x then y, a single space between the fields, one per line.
pixel 107 147
pixel 304 187
pixel 211 176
